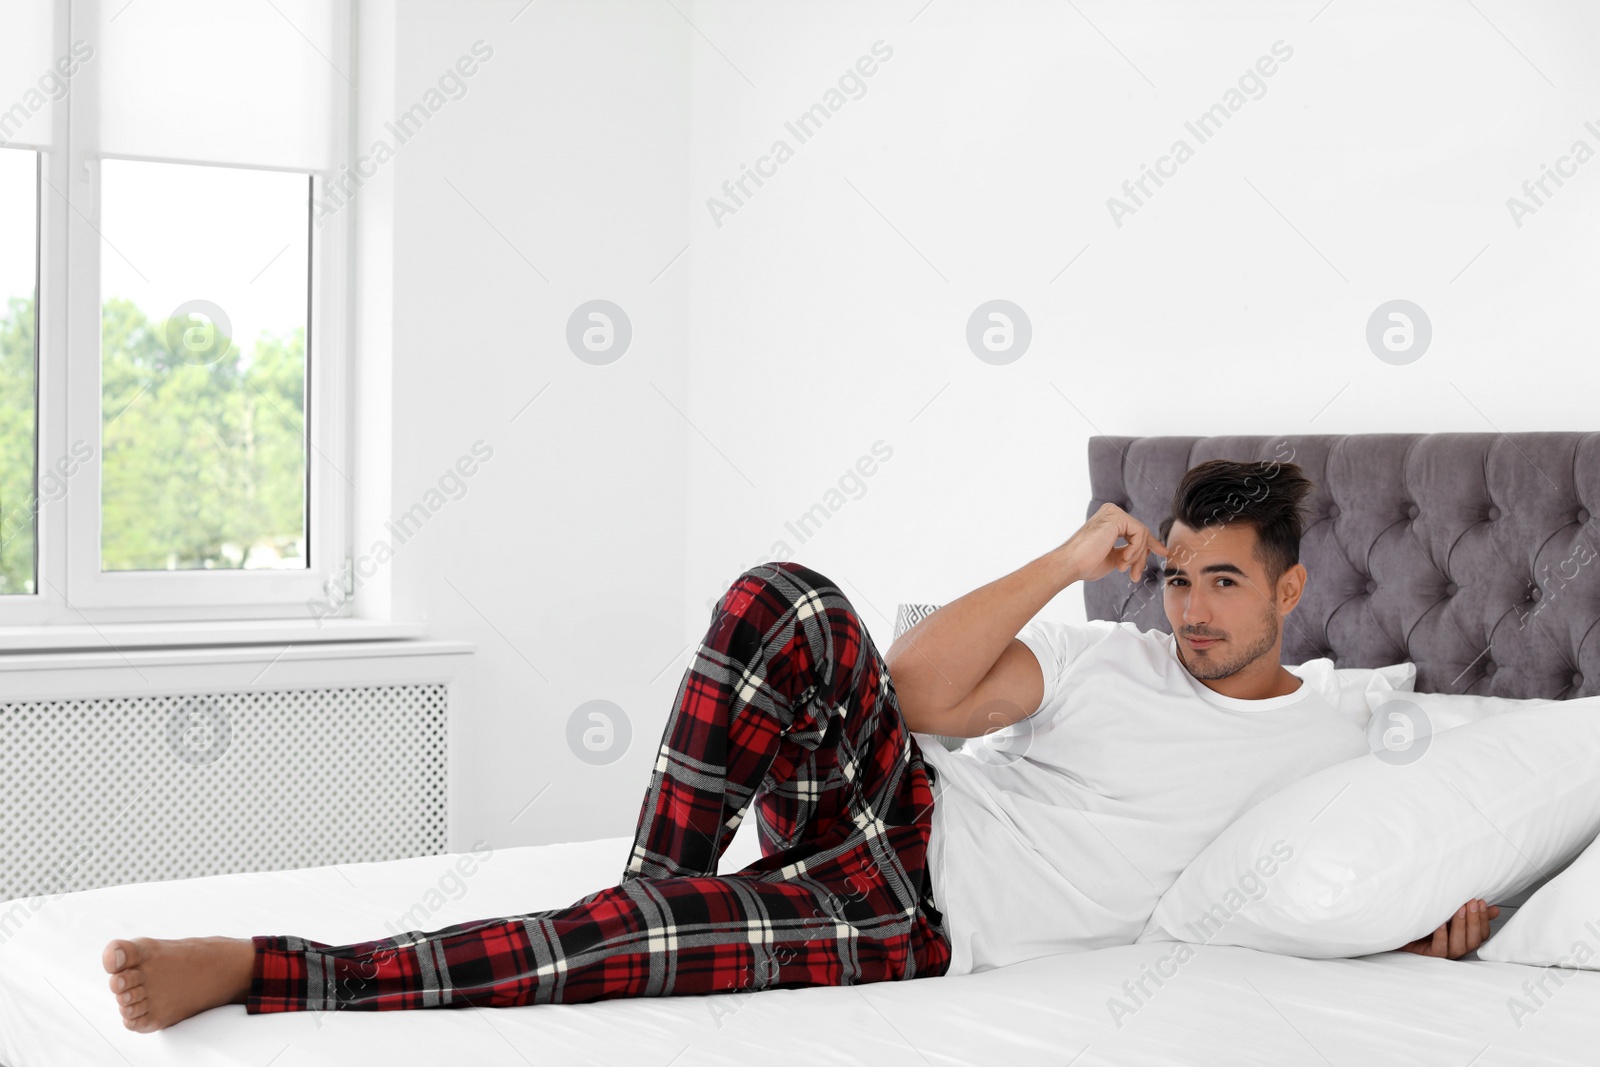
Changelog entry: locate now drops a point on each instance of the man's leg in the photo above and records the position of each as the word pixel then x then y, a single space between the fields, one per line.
pixel 787 704
pixel 785 660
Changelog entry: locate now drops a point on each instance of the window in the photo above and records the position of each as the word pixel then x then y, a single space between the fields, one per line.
pixel 203 313
pixel 19 277
pixel 172 309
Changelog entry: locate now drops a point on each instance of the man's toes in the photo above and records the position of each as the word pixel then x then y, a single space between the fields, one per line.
pixel 125 980
pixel 119 954
pixel 134 995
pixel 134 1011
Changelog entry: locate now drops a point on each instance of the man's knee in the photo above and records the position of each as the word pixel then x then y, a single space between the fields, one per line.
pixel 792 582
pixel 770 571
pixel 789 581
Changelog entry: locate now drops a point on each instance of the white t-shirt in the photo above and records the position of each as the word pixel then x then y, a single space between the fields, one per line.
pixel 1060 833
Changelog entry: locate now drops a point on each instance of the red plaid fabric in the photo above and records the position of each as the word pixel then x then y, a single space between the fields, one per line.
pixel 788 704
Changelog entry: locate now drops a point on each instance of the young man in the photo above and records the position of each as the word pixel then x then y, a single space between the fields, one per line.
pixel 1112 757
pixel 1115 755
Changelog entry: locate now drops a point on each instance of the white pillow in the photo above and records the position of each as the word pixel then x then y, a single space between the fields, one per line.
pixel 1374 852
pixel 1559 926
pixel 1446 711
pixel 1400 721
pixel 1355 691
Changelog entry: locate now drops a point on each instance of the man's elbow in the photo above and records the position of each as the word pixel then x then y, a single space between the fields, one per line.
pixel 910 693
pixel 924 716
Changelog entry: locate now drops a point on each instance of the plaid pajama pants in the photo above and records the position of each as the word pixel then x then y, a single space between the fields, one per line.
pixel 787 704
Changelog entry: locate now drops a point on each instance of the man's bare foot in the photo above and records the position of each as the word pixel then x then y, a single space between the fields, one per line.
pixel 158 983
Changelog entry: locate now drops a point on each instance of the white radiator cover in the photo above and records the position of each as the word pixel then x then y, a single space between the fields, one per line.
pixel 115 790
pixel 105 790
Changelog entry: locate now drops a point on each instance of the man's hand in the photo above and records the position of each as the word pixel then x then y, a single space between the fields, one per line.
pixel 1093 551
pixel 1462 933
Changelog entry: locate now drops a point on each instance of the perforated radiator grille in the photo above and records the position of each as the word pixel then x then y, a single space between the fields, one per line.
pixel 115 790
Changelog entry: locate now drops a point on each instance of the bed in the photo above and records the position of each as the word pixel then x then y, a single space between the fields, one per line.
pixel 1422 547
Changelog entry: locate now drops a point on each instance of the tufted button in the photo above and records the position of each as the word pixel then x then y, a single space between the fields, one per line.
pixel 1371 585
pixel 1333 511
pixel 1450 589
pixel 1583 516
pixel 1577 680
pixel 1536 594
pixel 1489 667
pixel 1411 512
pixel 1494 513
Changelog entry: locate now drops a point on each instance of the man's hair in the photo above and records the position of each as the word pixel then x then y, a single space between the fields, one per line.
pixel 1268 495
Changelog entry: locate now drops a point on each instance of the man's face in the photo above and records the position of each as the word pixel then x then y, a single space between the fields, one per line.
pixel 1223 611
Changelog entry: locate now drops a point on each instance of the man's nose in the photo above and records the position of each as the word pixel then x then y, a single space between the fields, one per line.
pixel 1196 612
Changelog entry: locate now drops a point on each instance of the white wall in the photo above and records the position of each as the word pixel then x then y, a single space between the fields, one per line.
pixel 1390 141
pixel 829 311
pixel 567 156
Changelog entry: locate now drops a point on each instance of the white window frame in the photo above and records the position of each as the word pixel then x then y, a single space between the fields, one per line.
pixel 72 590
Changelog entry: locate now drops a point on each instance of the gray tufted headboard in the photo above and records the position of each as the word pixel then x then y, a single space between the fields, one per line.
pixel 1471 554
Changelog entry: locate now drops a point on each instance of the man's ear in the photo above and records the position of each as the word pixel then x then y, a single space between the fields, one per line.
pixel 1291 584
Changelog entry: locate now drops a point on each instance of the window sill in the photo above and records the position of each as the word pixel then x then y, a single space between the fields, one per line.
pixel 123 636
pixel 137 672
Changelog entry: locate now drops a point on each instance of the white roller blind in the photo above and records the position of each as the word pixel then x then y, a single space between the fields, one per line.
pixel 29 79
pixel 242 82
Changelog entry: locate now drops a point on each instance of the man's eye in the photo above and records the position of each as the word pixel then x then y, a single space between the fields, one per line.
pixel 1230 581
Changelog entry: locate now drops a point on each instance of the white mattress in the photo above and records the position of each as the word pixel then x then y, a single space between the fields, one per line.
pixel 1225 1005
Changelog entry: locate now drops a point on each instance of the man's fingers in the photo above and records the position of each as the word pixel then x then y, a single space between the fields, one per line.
pixel 1132 556
pixel 1434 944
pixel 1422 946
pixel 1136 557
pixel 1147 544
pixel 1458 932
pixel 1463 932
pixel 1480 933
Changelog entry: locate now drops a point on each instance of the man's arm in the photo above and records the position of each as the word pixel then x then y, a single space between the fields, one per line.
pixel 961 671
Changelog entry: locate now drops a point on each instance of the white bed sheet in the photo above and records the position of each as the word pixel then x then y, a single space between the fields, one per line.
pixel 1225 1005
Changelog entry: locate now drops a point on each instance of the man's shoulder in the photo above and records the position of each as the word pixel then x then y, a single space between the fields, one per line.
pixel 1092 627
pixel 1059 644
pixel 1119 630
pixel 1064 634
